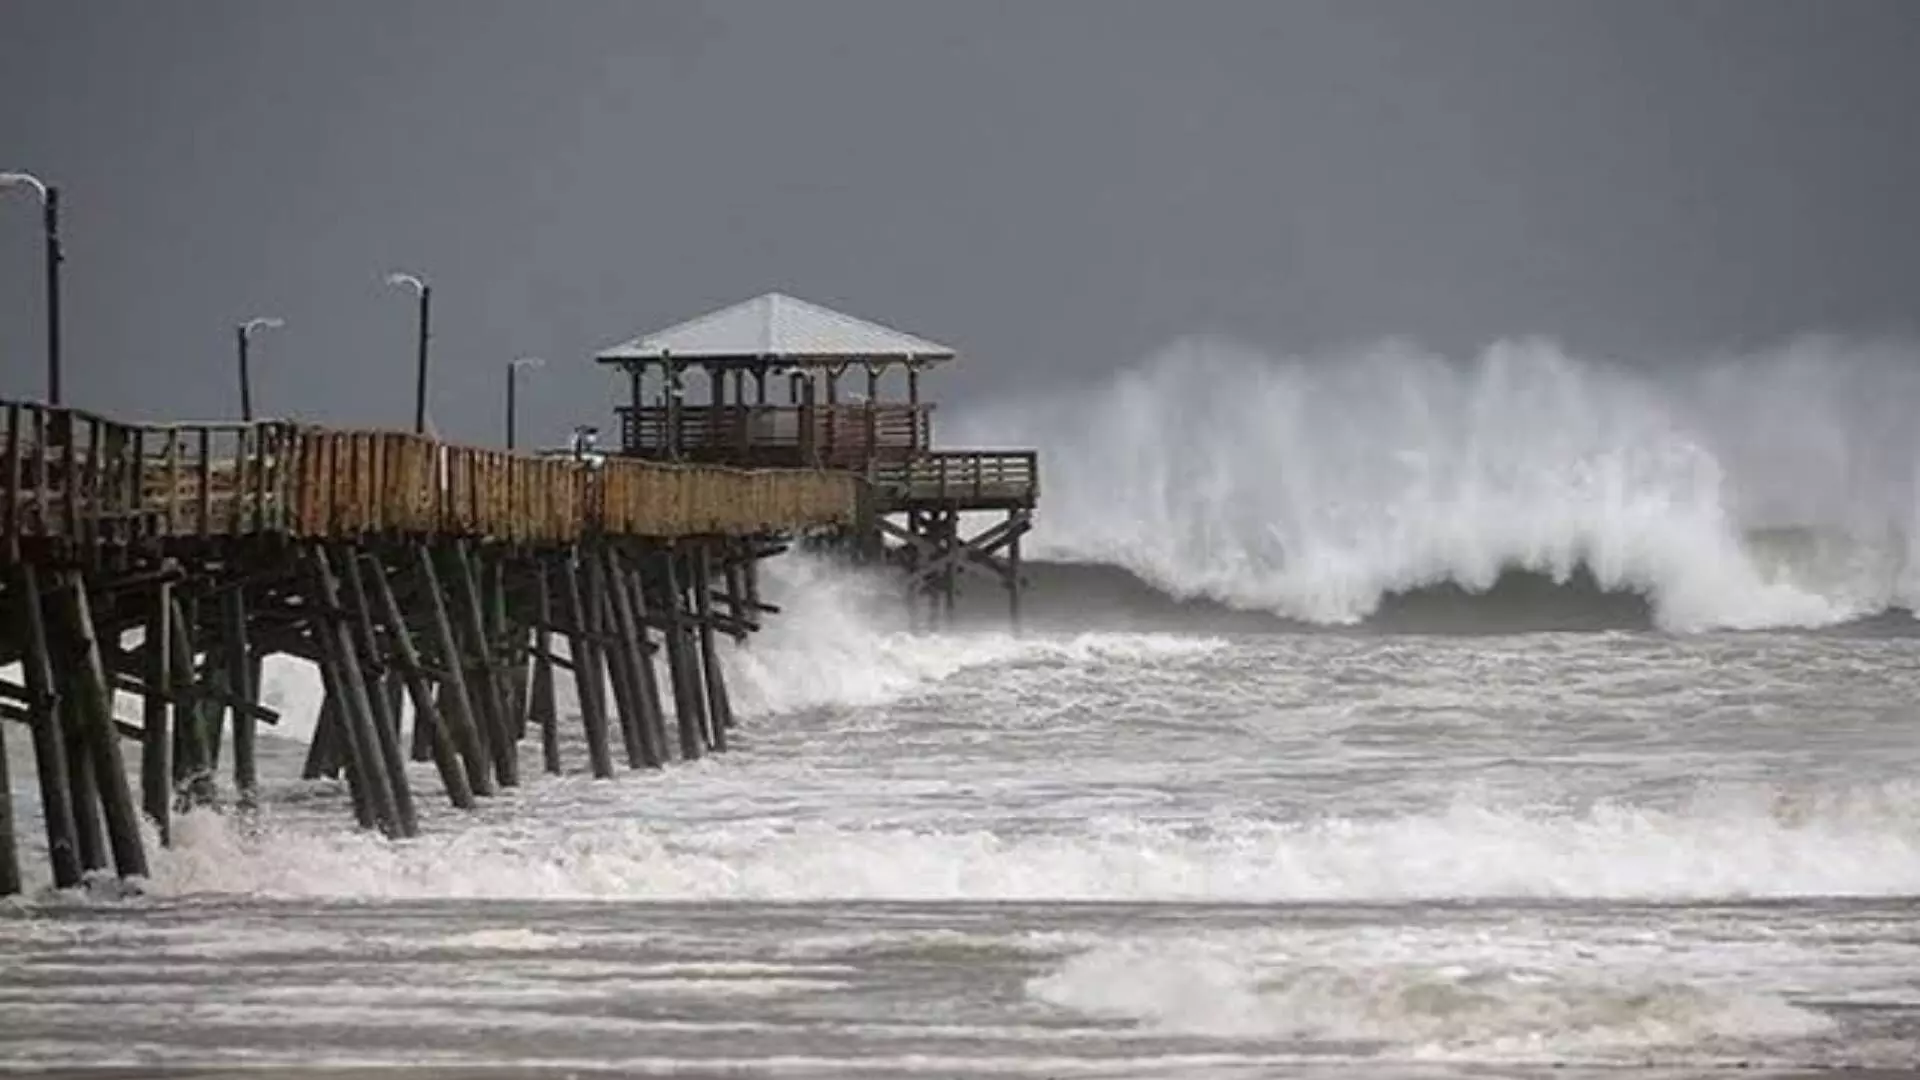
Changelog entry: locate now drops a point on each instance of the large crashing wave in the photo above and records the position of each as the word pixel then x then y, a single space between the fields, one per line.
pixel 1774 489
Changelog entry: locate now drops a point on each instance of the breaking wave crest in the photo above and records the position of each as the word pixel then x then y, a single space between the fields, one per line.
pixel 1775 489
pixel 1445 1006
pixel 1730 845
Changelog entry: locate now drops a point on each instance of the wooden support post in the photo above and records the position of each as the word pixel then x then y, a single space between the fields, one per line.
pixel 10 880
pixel 156 720
pixel 510 638
pixel 1014 583
pixel 630 668
pixel 485 685
pixel 335 722
pixel 589 675
pixel 543 708
pixel 688 707
pixel 95 708
pixel 213 678
pixel 459 717
pixel 910 562
pixel 244 687
pixel 632 582
pixel 423 739
pixel 192 764
pixel 386 731
pixel 750 575
pixel 395 690
pixel 601 588
pixel 426 712
pixel 368 655
pixel 934 552
pixel 210 680
pixel 323 760
pixel 737 597
pixel 89 836
pixel 950 542
pixel 338 651
pixel 49 742
pixel 719 710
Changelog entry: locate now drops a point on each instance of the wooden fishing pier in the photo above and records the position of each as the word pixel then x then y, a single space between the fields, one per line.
pixel 167 561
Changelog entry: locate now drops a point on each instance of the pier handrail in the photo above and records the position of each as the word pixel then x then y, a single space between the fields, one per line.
pixel 85 481
pixel 843 434
pixel 973 476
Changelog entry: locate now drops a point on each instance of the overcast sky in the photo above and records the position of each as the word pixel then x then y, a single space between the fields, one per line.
pixel 1054 188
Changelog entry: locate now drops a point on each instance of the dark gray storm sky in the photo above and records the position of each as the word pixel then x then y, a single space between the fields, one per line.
pixel 1056 188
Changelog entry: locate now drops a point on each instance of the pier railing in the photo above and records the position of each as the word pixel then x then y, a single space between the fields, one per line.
pixel 976 478
pixel 80 480
pixel 832 436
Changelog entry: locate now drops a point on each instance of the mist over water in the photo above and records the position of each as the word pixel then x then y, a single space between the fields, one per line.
pixel 1769 489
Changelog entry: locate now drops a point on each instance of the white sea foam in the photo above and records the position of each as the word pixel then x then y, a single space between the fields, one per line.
pixel 1314 487
pixel 1450 1003
pixel 1864 843
pixel 840 639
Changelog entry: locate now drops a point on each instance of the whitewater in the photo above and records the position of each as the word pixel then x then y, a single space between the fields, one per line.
pixel 1252 829
pixel 1769 489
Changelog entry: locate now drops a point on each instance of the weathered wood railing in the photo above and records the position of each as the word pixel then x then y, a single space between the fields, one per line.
pixel 81 482
pixel 835 436
pixel 975 477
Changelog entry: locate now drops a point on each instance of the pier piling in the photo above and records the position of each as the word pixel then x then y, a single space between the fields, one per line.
pixel 242 669
pixel 621 664
pixel 719 712
pixel 331 625
pixel 156 714
pixel 630 577
pixel 94 714
pixel 427 724
pixel 543 709
pixel 689 708
pixel 10 878
pixel 590 678
pixel 457 709
pixel 44 716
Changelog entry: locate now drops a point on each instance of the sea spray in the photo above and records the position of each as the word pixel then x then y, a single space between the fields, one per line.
pixel 1773 489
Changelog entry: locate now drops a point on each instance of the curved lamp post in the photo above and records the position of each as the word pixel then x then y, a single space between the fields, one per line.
pixel 513 376
pixel 242 334
pixel 50 217
pixel 425 293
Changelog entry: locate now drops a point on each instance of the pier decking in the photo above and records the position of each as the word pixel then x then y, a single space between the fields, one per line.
pixel 404 567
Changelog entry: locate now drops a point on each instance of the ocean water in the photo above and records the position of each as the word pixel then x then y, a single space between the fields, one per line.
pixel 1600 813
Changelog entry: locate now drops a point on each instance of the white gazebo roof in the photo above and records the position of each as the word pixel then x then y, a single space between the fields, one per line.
pixel 777 327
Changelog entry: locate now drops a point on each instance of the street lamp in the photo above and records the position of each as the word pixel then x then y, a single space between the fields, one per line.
pixel 425 292
pixel 513 375
pixel 242 334
pixel 50 216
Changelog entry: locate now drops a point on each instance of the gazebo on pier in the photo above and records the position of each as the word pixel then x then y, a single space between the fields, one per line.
pixel 772 370
pixel 804 350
